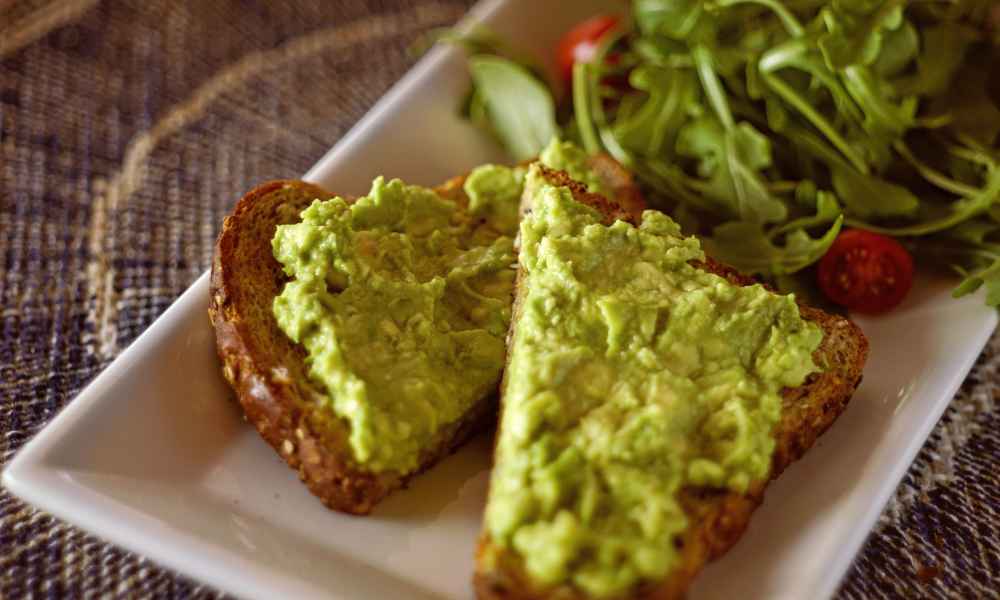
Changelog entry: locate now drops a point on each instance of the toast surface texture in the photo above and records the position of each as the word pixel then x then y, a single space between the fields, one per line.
pixel 718 517
pixel 268 371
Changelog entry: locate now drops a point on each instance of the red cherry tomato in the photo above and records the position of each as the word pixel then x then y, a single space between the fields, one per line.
pixel 580 43
pixel 866 272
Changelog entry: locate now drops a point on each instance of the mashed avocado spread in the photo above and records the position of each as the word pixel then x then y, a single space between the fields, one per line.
pixel 632 375
pixel 402 301
pixel 494 191
pixel 567 156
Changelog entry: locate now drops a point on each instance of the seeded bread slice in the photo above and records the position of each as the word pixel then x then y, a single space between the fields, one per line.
pixel 718 517
pixel 267 369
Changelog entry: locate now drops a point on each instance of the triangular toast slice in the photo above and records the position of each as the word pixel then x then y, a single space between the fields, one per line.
pixel 716 517
pixel 267 370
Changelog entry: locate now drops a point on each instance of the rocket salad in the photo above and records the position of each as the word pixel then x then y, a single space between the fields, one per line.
pixel 773 129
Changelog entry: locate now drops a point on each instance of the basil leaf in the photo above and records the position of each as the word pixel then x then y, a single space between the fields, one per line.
pixel 520 107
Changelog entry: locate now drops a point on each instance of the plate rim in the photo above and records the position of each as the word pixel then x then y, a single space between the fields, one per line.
pixel 832 579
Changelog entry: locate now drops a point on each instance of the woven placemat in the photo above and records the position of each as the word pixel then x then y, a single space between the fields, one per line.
pixel 127 131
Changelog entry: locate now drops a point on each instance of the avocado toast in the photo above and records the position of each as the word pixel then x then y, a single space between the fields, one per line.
pixel 623 463
pixel 301 399
pixel 270 372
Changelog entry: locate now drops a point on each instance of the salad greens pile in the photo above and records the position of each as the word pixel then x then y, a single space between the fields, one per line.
pixel 766 126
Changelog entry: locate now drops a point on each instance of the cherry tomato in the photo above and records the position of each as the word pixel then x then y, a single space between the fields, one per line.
pixel 865 271
pixel 580 43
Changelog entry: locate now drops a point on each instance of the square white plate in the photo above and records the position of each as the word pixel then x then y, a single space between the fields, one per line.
pixel 154 456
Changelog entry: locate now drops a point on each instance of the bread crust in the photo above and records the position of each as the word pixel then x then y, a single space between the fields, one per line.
pixel 718 518
pixel 267 370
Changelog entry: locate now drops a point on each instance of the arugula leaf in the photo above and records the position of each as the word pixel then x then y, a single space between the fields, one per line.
pixel 973 111
pixel 520 106
pixel 704 63
pixel 937 178
pixel 868 196
pixel 855 30
pixel 776 113
pixel 974 231
pixel 731 155
pixel 966 251
pixel 796 54
pixel 989 277
pixel 827 211
pixel 876 150
pixel 672 18
pixel 747 247
pixel 788 20
pixel 651 129
pixel 960 211
pixel 671 181
pixel 584 104
pixel 900 47
pixel 747 152
pixel 863 195
pixel 883 118
pixel 731 160
pixel 660 50
pixel 943 49
pixel 788 119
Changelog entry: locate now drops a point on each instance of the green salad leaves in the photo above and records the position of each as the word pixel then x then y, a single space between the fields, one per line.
pixel 518 105
pixel 765 126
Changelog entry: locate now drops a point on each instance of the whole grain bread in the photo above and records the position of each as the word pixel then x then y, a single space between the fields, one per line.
pixel 718 517
pixel 267 369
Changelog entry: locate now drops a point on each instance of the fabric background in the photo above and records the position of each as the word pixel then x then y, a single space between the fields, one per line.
pixel 129 128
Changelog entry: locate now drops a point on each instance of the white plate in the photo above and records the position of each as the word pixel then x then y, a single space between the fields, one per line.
pixel 154 456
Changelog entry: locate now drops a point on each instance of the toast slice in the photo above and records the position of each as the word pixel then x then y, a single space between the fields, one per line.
pixel 716 517
pixel 267 370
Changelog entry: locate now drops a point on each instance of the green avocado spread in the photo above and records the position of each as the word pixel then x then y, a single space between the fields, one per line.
pixel 632 374
pixel 402 301
pixel 494 192
pixel 567 156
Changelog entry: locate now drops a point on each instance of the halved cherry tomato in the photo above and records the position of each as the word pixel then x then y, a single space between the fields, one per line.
pixel 866 271
pixel 580 43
